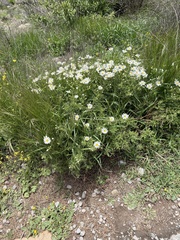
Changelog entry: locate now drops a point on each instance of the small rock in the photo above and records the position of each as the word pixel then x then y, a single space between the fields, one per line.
pixel 135 238
pixel 96 191
pixel 78 231
pixel 129 182
pixel 134 228
pixel 175 237
pixel 69 187
pixel 80 204
pixel 83 195
pixel 123 175
pixel 82 233
pixel 121 163
pixel 141 171
pixel 114 192
pixel 82 224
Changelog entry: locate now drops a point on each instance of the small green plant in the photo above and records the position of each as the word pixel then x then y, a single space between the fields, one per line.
pixel 134 199
pixel 101 179
pixel 55 218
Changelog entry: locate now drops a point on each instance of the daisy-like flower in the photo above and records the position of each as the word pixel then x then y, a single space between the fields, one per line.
pixel 104 130
pixel 50 81
pixel 149 86
pixel 47 140
pixel 124 51
pixel 51 86
pixel 158 83
pixel 76 96
pixel 97 144
pixel 111 49
pixel 125 116
pixel 142 83
pixel 89 105
pixel 129 48
pixel 85 80
pixel 76 117
pixel 177 83
pixel 86 138
pixel 100 88
pixel 86 125
pixel 111 119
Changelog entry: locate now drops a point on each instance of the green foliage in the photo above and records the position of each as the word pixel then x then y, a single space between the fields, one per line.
pixel 55 218
pixel 68 11
pixel 91 107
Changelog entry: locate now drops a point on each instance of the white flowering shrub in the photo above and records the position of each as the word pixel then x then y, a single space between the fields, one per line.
pixel 90 107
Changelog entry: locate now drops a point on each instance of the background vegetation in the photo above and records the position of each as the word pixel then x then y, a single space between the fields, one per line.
pixel 113 92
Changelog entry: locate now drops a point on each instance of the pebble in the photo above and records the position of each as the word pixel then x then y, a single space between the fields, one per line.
pixel 78 231
pixel 69 187
pixel 175 237
pixel 82 233
pixel 121 163
pixel 141 171
pixel 134 228
pixel 80 204
pixel 135 238
pixel 114 192
pixel 83 195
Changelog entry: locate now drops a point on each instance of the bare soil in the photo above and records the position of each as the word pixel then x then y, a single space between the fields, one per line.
pixel 100 211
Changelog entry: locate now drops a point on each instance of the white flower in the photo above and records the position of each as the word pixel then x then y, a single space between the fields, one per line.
pixel 97 144
pixel 149 86
pixel 86 125
pixel 104 130
pixel 51 86
pixel 86 138
pixel 85 80
pixel 142 83
pixel 137 55
pixel 76 117
pixel 36 79
pixel 60 70
pixel 158 83
pixel 50 81
pixel 129 48
pixel 47 140
pixel 100 88
pixel 76 96
pixel 78 76
pixel 125 116
pixel 110 49
pixel 177 83
pixel 89 105
pixel 111 119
